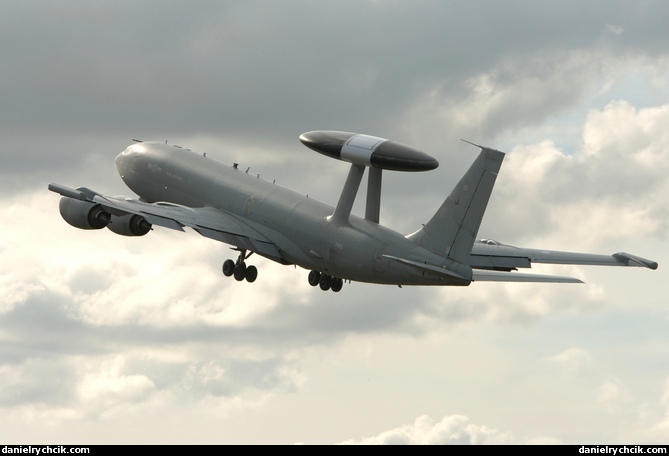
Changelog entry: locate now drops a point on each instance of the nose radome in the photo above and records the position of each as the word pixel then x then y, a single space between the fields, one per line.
pixel 118 161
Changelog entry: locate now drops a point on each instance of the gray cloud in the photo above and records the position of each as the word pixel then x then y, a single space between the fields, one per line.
pixel 261 68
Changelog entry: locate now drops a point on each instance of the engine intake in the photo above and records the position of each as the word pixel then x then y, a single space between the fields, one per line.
pixel 83 214
pixel 129 225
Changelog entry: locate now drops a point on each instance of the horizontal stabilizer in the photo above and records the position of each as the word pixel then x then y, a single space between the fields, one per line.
pixel 501 276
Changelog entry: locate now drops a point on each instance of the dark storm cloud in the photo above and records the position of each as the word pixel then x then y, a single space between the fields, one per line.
pixel 272 68
pixel 82 79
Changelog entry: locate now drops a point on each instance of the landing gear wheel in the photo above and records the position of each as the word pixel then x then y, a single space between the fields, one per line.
pixel 337 285
pixel 325 282
pixel 314 278
pixel 251 274
pixel 238 268
pixel 228 268
pixel 240 272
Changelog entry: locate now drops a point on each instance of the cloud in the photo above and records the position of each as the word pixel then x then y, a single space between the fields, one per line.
pixel 623 156
pixel 103 390
pixel 637 420
pixel 256 67
pixel 613 392
pixel 661 428
pixel 26 384
pixel 450 430
pixel 572 360
pixel 615 29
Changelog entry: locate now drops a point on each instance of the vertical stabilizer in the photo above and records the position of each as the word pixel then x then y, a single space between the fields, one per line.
pixel 452 230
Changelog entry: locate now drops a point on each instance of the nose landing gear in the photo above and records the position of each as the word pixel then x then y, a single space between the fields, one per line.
pixel 239 269
pixel 325 282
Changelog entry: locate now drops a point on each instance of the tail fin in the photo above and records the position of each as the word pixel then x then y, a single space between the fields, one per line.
pixel 452 230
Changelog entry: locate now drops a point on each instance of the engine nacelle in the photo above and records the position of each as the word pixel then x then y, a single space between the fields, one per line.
pixel 83 214
pixel 129 225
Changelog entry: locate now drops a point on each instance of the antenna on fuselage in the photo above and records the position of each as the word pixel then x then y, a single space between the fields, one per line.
pixel 348 194
pixel 364 151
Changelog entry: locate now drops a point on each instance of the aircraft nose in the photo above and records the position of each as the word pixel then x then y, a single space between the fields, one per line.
pixel 126 161
pixel 119 161
pixel 123 159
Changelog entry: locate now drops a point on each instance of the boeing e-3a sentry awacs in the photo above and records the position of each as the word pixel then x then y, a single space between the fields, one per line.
pixel 179 188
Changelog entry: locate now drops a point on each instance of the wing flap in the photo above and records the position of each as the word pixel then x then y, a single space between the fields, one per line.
pixel 426 266
pixel 487 276
pixel 501 276
pixel 163 221
pixel 264 248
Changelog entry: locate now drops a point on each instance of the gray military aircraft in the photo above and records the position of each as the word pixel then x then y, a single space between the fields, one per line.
pixel 178 188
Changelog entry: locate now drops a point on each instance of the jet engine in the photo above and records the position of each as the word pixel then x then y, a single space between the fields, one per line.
pixel 83 214
pixel 129 225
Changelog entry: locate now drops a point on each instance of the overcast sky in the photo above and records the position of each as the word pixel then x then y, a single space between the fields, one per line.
pixel 106 339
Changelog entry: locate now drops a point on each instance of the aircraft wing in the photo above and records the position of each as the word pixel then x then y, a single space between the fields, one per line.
pixel 488 254
pixel 208 221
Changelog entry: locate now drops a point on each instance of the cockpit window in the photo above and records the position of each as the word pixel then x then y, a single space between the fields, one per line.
pixel 135 148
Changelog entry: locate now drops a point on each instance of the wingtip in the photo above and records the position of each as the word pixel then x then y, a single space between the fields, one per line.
pixel 67 191
pixel 627 259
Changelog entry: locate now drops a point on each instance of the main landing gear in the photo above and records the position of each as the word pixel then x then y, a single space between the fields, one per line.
pixel 325 281
pixel 239 269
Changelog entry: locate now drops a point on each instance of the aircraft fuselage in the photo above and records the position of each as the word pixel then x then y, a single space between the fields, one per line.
pixel 300 226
